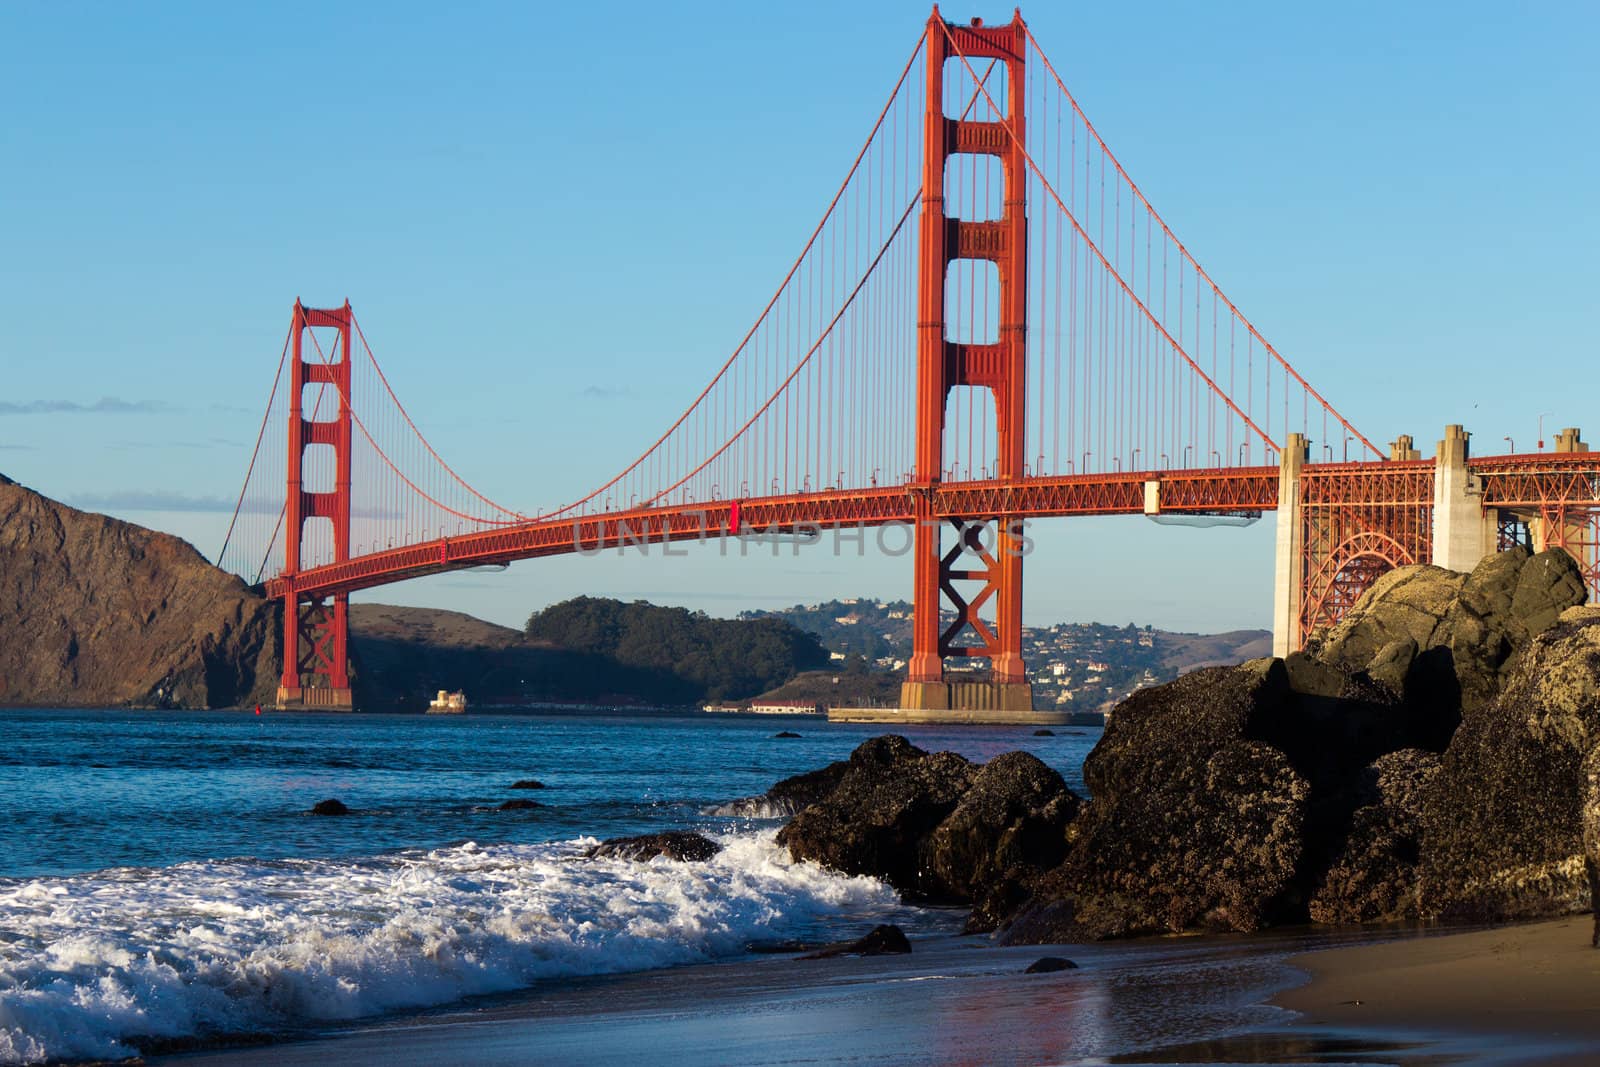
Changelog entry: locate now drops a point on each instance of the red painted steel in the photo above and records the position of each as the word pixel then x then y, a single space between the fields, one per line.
pixel 1358 521
pixel 316 635
pixel 838 409
pixel 944 363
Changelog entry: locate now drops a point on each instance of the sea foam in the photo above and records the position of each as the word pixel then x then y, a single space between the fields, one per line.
pixel 94 966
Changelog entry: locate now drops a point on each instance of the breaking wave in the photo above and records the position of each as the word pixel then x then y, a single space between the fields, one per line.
pixel 100 965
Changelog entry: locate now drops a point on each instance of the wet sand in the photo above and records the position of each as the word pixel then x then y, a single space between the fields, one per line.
pixel 1531 991
pixel 952 1000
pixel 1514 995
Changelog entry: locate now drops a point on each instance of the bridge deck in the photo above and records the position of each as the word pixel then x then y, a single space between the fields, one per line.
pixel 1527 481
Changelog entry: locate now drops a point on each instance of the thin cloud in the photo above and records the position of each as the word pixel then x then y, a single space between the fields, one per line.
pixel 18 448
pixel 164 500
pixel 210 443
pixel 151 500
pixel 605 392
pixel 106 405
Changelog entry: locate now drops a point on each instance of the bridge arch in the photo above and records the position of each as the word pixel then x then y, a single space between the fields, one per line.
pixel 1345 573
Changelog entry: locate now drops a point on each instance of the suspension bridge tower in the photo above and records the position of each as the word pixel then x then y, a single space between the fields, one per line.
pixel 983 562
pixel 316 629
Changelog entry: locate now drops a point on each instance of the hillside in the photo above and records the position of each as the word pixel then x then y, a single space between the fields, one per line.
pixel 717 659
pixel 403 656
pixel 582 651
pixel 1077 666
pixel 99 612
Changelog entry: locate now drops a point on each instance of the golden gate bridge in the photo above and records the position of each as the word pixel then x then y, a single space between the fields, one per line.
pixel 991 323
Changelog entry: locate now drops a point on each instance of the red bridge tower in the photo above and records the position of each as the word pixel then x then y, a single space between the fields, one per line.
pixel 986 553
pixel 316 632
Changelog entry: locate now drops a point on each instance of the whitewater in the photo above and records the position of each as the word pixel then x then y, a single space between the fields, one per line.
pixel 163 885
pixel 103 965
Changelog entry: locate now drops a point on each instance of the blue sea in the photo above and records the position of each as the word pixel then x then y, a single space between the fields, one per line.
pixel 163 882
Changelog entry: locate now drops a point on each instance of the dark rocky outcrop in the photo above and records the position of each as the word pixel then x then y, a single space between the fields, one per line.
pixel 1502 838
pixel 884 940
pixel 526 783
pixel 1193 821
pixel 518 805
pixel 674 845
pixel 1333 800
pixel 331 806
pixel 1009 828
pixel 1374 876
pixel 933 825
pixel 1442 638
pixel 1436 754
pixel 102 612
pixel 874 821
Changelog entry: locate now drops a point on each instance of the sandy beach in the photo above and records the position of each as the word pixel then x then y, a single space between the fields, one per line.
pixel 1513 995
pixel 1526 993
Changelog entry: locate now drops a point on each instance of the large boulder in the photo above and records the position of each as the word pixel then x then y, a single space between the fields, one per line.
pixel 1186 719
pixel 1502 835
pixel 1444 639
pixel 1009 828
pixel 1373 876
pixel 1192 821
pixel 888 800
pixel 1406 604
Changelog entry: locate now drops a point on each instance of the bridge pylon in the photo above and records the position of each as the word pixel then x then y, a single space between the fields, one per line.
pixel 316 630
pixel 983 562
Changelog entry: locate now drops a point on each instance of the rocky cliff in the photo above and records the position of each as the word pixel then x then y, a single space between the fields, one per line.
pixel 1434 756
pixel 99 612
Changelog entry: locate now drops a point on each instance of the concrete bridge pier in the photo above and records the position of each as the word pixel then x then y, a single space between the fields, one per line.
pixel 1289 572
pixel 1464 531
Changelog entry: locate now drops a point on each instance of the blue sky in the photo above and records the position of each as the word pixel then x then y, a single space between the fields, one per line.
pixel 555 223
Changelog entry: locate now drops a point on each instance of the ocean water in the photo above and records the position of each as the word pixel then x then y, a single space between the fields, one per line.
pixel 162 880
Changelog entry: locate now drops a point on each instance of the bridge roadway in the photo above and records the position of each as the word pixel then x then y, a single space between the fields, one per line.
pixel 1526 483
